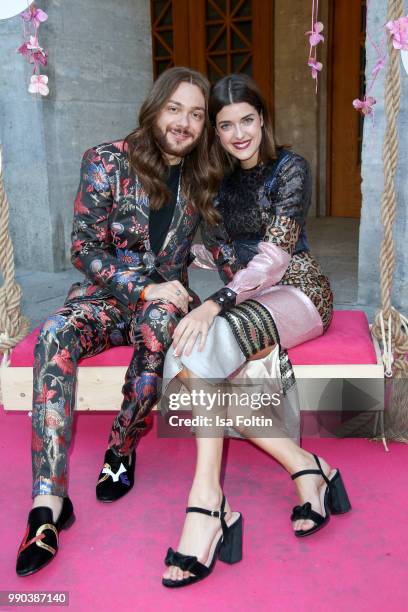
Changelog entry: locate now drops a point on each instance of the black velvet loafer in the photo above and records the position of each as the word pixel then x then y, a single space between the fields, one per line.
pixel 40 542
pixel 117 477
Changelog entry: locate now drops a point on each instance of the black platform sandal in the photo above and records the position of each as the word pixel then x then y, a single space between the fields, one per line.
pixel 336 501
pixel 227 549
pixel 40 542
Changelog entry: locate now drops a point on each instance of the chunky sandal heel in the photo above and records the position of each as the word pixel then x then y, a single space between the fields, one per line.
pixel 338 500
pixel 227 549
pixel 231 547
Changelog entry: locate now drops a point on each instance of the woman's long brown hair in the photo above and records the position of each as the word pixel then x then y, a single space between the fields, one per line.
pixel 200 179
pixel 233 89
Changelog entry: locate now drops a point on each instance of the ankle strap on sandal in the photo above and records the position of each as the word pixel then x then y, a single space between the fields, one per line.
pixel 319 472
pixel 215 513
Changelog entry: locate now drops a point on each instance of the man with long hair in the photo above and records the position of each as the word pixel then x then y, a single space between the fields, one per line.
pixel 138 207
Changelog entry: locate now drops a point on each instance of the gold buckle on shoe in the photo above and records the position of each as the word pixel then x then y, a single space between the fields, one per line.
pixel 40 536
pixel 38 539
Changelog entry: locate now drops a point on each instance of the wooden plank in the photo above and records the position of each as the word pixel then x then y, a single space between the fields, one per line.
pixel 101 388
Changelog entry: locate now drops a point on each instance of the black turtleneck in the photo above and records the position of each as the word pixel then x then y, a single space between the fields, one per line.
pixel 160 220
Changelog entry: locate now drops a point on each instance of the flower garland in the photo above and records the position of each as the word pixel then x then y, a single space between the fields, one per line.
pixel 315 38
pixel 32 18
pixel 399 32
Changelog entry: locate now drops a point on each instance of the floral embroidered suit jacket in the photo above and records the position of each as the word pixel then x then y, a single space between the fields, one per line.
pixel 110 237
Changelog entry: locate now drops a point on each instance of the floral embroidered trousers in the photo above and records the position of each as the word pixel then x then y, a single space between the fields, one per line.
pixel 82 329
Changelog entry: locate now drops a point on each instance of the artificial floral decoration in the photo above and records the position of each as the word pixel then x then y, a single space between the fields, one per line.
pixel 32 18
pixel 315 68
pixel 365 105
pixel 34 15
pixel 33 52
pixel 315 38
pixel 38 84
pixel 399 33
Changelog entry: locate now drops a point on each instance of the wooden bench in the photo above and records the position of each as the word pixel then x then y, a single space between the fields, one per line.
pixel 347 352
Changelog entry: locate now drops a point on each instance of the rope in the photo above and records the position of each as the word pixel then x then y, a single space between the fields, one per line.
pixel 13 326
pixel 389 326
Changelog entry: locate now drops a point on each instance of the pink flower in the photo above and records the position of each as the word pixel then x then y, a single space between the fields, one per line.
pixel 315 67
pixel 33 52
pixel 365 106
pixel 38 84
pixel 314 35
pixel 23 49
pixel 38 54
pixel 399 33
pixel 35 15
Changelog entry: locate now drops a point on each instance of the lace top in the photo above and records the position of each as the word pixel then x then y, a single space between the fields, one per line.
pixel 248 199
pixel 266 203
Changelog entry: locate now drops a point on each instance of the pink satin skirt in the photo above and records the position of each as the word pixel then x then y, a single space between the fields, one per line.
pixel 295 316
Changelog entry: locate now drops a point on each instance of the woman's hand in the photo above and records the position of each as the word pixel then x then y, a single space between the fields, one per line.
pixel 171 291
pixel 195 323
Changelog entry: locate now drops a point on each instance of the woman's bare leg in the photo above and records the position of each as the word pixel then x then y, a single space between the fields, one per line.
pixel 293 459
pixel 200 530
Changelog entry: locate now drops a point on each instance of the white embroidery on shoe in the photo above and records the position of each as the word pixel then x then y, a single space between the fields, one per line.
pixel 114 475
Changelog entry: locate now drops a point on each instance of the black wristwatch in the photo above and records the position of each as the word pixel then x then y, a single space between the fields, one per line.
pixel 225 298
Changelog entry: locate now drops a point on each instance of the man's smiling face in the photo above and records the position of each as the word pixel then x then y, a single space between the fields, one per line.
pixel 180 122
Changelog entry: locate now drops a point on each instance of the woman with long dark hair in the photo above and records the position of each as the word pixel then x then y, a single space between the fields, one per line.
pixel 275 297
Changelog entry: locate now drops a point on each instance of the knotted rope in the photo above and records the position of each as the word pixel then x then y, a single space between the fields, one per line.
pixel 390 326
pixel 13 326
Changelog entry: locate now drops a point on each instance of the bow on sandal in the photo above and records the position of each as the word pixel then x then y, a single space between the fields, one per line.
pixel 228 549
pixel 335 501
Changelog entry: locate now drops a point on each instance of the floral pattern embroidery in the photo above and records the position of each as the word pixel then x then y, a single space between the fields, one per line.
pixel 89 328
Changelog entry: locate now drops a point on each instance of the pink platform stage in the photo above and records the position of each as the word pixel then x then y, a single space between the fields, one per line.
pixel 112 557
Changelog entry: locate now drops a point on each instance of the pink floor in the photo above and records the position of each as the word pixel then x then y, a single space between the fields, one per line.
pixel 111 559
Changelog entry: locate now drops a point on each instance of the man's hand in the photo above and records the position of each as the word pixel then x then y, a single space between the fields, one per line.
pixel 172 291
pixel 195 323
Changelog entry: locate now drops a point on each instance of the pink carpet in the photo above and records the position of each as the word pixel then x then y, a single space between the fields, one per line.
pixel 111 559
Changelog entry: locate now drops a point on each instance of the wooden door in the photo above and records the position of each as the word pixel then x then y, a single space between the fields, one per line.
pixel 216 37
pixel 346 124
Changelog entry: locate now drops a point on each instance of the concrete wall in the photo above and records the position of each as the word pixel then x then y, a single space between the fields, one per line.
pixel 371 231
pixel 300 114
pixel 99 69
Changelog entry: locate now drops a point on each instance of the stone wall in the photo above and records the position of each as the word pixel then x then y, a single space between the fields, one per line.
pixel 99 69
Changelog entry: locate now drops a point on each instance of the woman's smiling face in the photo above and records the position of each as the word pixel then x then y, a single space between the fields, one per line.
pixel 239 128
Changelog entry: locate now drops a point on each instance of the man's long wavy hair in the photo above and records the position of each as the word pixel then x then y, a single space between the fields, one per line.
pixel 234 89
pixel 199 180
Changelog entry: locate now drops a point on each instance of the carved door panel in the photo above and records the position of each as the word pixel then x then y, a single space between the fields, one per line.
pixel 216 37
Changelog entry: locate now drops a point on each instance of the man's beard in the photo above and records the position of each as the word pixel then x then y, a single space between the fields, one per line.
pixel 165 146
